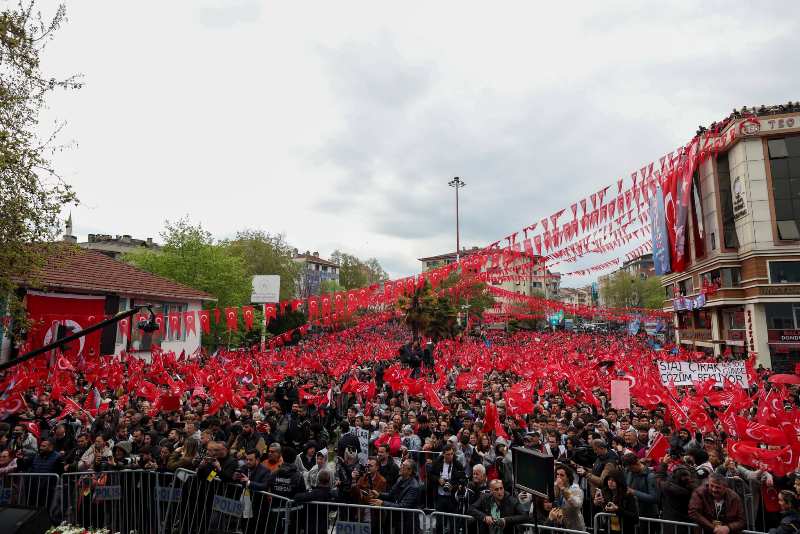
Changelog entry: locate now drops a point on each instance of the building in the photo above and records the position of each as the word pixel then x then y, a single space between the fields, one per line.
pixel 314 270
pixel 78 288
pixel 111 246
pixel 743 242
pixel 643 267
pixel 580 296
pixel 538 282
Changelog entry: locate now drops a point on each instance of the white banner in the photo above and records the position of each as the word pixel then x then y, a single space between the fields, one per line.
pixel 685 373
pixel 266 289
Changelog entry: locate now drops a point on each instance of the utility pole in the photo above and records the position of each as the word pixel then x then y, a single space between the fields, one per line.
pixel 457 183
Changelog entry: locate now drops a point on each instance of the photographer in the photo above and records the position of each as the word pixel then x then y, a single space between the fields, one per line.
pixel 498 511
pixel 97 457
pixel 218 463
pixel 23 443
pixel 447 477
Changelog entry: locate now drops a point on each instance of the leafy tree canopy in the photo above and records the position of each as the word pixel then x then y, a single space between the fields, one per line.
pixel 624 289
pixel 265 253
pixel 355 273
pixel 32 194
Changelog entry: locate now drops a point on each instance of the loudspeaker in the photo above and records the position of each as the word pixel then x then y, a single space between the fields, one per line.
pixel 533 471
pixel 21 520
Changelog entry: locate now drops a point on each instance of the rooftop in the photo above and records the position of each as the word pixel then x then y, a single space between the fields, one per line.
pixel 69 268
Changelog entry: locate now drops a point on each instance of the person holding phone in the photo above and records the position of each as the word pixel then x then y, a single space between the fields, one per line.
pixel 614 499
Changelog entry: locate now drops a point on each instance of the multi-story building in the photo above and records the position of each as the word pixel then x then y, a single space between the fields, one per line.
pixel 642 266
pixel 743 242
pixel 581 296
pixel 112 246
pixel 537 282
pixel 314 270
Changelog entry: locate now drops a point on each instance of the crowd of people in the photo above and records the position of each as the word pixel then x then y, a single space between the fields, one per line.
pixel 361 429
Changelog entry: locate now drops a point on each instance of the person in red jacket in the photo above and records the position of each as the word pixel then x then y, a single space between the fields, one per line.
pixel 391 438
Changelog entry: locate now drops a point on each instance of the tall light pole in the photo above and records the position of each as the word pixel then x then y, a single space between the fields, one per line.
pixel 458 183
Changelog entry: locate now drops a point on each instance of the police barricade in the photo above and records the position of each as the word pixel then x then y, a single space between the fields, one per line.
pixel 445 523
pixel 530 528
pixel 653 525
pixel 121 501
pixel 340 518
pixel 751 505
pixel 33 490
pixel 200 505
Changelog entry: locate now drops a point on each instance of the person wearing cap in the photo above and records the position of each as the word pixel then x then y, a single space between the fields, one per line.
pixel 533 441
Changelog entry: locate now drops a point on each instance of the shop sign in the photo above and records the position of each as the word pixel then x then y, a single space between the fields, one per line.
pixel 783 336
pixel 782 289
pixel 739 203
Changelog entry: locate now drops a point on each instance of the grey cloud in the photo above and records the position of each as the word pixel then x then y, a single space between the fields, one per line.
pixel 227 14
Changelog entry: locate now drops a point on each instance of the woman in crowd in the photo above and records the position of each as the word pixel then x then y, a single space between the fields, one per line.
pixel 613 498
pixel 790 514
pixel 567 509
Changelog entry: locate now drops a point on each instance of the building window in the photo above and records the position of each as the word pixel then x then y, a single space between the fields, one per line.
pixel 784 272
pixel 724 277
pixel 683 321
pixel 734 319
pixel 144 341
pixel 702 319
pixel 685 287
pixel 782 316
pixel 172 334
pixel 729 237
pixel 784 161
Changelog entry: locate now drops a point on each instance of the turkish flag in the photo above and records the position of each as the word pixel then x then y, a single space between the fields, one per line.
pixel 469 382
pixel 188 321
pixel 247 314
pixel 490 418
pixel 205 321
pixel 313 307
pixel 175 323
pixel 326 306
pixel 339 302
pixel 659 448
pixel 160 322
pixel 269 313
pixel 432 398
pixel 758 432
pixel 518 404
pixel 232 318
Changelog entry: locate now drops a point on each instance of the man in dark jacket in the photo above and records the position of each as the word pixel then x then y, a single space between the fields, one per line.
pixel 387 466
pixel 314 519
pixel 676 491
pixel 641 482
pixel 446 476
pixel 218 463
pixel 287 481
pixel 255 477
pixel 347 440
pixel 497 511
pixel 717 508
pixel 404 494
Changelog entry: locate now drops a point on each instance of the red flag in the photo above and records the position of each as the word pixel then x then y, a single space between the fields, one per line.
pixel 490 418
pixel 188 321
pixel 659 448
pixel 175 323
pixel 232 318
pixel 518 403
pixel 432 398
pixel 469 382
pixel 269 313
pixel 757 432
pixel 205 321
pixel 63 364
pixel 160 322
pixel 247 314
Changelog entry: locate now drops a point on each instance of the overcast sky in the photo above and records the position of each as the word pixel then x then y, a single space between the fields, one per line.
pixel 340 123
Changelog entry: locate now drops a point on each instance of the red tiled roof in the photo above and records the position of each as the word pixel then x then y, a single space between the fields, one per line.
pixel 79 270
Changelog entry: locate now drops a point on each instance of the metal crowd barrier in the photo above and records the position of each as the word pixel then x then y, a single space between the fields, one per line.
pixel 324 517
pixel 121 501
pixel 198 506
pixel 33 490
pixel 652 525
pixel 446 523
pixel 530 528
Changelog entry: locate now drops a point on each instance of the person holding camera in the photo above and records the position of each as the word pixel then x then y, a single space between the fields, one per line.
pixel 447 477
pixel 218 463
pixel 614 499
pixel 23 443
pixel 370 480
pixel 98 457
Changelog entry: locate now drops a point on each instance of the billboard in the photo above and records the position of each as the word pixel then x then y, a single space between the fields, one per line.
pixel 266 289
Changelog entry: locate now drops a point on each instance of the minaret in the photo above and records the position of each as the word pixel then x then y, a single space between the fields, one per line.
pixel 68 237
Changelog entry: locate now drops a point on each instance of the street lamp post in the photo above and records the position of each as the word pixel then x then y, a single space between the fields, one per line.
pixel 457 183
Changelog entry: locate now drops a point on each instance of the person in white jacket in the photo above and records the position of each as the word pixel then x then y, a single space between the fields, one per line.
pixel 95 455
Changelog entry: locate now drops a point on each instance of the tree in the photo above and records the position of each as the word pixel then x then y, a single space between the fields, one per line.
pixel 354 273
pixel 264 253
pixel 330 286
pixel 32 194
pixel 191 257
pixel 625 290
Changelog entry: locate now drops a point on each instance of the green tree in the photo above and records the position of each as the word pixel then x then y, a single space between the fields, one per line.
pixel 191 257
pixel 264 253
pixel 626 290
pixel 32 194
pixel 355 273
pixel 330 286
